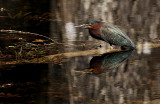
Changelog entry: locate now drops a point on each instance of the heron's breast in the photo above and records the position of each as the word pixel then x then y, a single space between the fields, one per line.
pixel 94 33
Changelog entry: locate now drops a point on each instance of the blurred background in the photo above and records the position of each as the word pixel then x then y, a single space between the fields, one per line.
pixel 133 81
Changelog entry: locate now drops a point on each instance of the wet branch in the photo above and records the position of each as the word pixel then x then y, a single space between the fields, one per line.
pixel 59 58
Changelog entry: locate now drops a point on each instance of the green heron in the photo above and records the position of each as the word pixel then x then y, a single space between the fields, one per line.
pixel 109 33
pixel 108 61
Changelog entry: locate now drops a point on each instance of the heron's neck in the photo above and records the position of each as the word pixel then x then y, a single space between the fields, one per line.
pixel 95 31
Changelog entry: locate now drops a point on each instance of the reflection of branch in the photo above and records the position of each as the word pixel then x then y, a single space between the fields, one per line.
pixel 19 15
pixel 56 57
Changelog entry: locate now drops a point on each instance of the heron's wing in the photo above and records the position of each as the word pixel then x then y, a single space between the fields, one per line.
pixel 116 30
pixel 114 60
pixel 109 29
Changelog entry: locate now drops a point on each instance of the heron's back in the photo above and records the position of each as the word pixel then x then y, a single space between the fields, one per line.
pixel 113 35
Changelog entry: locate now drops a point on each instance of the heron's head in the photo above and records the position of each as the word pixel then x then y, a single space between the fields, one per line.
pixel 90 24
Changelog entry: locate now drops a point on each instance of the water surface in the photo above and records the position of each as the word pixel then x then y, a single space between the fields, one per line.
pixel 83 70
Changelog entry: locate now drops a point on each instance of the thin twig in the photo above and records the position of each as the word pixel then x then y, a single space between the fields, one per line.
pixel 21 32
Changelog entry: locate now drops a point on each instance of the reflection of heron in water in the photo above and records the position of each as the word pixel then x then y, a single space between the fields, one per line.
pixel 108 61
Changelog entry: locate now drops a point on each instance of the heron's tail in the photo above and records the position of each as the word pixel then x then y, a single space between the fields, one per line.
pixel 128 47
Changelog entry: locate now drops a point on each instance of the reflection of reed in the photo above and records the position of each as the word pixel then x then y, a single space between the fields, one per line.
pixel 140 22
pixel 131 83
pixel 108 61
pixel 129 87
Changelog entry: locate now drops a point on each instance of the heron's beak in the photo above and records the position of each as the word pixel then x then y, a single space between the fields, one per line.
pixel 84 26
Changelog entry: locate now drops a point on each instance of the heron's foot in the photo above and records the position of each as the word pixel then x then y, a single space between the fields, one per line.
pixel 111 48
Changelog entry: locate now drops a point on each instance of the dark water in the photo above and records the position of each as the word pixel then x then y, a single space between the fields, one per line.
pixel 136 80
pixel 129 77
